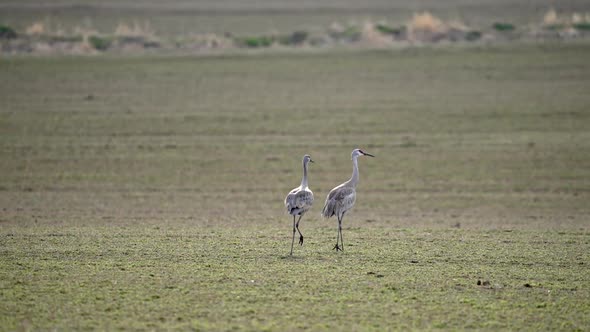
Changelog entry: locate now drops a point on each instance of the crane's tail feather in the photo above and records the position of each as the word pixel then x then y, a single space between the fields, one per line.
pixel 328 210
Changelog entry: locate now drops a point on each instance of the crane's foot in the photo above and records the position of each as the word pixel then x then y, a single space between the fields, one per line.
pixel 301 240
pixel 337 248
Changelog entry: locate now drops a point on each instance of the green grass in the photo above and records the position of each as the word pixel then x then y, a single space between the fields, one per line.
pixel 146 192
pixel 155 278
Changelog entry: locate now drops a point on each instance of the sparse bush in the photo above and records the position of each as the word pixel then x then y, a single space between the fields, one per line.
pixel 7 32
pixel 398 33
pixel 352 33
pixel 255 42
pixel 582 26
pixel 472 35
pixel 387 30
pixel 501 26
pixel 296 38
pixel 99 43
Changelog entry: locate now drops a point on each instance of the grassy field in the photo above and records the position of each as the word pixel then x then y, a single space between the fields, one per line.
pixel 146 192
pixel 110 278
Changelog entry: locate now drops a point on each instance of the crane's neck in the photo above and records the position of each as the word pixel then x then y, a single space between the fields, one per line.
pixel 304 179
pixel 354 179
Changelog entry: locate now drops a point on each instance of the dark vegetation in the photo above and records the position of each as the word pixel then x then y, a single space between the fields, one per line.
pixel 500 26
pixel 424 28
pixel 7 32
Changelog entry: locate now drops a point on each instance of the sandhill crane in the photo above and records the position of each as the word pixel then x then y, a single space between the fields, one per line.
pixel 342 198
pixel 299 201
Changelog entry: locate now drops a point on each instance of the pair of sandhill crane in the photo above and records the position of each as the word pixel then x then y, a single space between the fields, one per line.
pixel 339 200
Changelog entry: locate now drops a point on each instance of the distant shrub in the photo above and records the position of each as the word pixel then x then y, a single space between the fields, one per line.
pixel 582 26
pixel 296 38
pixel 499 26
pixel 387 30
pixel 352 33
pixel 349 33
pixel 99 43
pixel 472 35
pixel 255 42
pixel 7 32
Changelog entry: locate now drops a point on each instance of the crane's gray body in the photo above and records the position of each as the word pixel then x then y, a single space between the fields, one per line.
pixel 299 201
pixel 342 198
pixel 339 200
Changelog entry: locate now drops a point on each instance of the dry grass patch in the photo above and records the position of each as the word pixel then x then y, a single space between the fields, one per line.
pixel 425 27
pixel 136 29
pixel 37 28
pixel 426 22
pixel 552 20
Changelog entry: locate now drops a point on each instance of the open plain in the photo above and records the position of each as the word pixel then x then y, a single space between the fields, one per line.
pixel 145 192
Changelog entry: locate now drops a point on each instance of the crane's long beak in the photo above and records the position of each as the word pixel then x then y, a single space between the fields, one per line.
pixel 368 154
pixel 311 161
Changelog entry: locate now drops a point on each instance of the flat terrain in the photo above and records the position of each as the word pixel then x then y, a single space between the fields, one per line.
pixel 146 192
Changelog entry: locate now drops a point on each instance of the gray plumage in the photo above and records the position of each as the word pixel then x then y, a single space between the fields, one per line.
pixel 339 200
pixel 299 201
pixel 342 198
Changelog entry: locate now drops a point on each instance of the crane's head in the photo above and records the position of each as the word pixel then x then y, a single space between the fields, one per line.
pixel 358 152
pixel 307 159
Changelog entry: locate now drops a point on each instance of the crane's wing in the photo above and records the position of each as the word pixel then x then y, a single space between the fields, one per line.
pixel 300 201
pixel 339 199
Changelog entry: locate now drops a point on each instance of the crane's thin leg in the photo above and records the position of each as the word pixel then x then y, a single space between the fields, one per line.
pixel 336 247
pixel 293 241
pixel 338 236
pixel 340 231
pixel 297 226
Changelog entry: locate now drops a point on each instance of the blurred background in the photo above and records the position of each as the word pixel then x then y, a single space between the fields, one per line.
pixel 88 26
